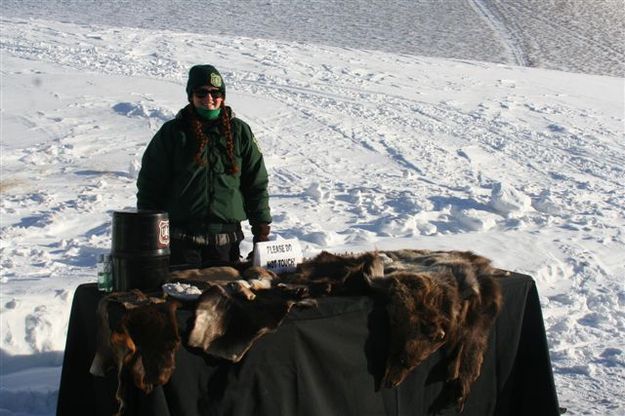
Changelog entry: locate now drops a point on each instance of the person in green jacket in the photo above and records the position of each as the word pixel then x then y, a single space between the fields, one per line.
pixel 205 169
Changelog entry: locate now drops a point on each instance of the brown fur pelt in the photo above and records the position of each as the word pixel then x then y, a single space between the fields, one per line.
pixel 437 299
pixel 226 325
pixel 423 315
pixel 143 343
pixel 329 273
pixel 242 283
pixel 208 274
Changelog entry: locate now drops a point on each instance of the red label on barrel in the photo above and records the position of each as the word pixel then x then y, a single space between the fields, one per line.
pixel 163 233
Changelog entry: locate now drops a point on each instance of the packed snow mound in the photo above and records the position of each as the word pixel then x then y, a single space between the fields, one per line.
pixel 509 201
pixel 475 219
pixel 547 203
pixel 403 225
pixel 141 109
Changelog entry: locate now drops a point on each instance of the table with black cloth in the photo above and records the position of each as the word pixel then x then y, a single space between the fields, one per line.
pixel 322 361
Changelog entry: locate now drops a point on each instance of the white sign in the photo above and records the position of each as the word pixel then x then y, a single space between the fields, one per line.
pixel 279 256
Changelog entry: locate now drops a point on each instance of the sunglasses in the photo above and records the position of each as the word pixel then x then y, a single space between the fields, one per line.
pixel 203 92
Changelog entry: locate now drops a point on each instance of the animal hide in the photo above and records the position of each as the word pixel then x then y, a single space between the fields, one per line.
pixel 331 274
pixel 423 315
pixel 435 299
pixel 143 342
pixel 209 274
pixel 226 326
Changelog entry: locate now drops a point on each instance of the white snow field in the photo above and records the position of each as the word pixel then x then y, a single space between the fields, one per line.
pixel 366 150
pixel 572 35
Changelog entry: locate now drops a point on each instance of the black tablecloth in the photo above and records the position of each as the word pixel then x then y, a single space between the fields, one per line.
pixel 323 361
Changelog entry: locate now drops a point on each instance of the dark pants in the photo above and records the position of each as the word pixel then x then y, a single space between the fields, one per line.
pixel 189 255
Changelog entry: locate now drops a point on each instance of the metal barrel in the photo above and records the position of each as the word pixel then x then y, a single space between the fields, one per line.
pixel 140 249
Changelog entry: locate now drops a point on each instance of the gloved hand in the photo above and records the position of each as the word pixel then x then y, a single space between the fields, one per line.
pixel 261 232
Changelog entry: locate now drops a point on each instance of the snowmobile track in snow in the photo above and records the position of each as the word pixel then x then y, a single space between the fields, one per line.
pixel 508 37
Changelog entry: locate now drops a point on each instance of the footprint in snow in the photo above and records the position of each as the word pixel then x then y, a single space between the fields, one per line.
pixel 38 329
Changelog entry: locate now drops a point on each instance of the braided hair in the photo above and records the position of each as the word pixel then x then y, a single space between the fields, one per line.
pixel 198 132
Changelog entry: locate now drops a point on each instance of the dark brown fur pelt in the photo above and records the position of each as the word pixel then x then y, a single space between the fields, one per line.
pixel 435 299
pixel 150 336
pixel 465 266
pixel 329 273
pixel 142 343
pixel 423 315
pixel 451 299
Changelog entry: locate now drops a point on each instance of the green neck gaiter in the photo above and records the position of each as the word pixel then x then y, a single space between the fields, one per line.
pixel 209 115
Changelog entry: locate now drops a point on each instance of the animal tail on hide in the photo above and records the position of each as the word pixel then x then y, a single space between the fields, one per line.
pixel 124 348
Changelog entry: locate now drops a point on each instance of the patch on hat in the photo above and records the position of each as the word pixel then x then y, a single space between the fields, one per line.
pixel 215 80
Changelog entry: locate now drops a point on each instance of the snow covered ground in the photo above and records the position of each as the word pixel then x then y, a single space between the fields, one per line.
pixel 573 35
pixel 366 150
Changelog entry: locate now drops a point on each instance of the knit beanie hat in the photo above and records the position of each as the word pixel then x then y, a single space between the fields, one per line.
pixel 201 75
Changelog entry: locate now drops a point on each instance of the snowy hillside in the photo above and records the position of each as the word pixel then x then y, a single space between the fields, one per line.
pixel 571 35
pixel 365 150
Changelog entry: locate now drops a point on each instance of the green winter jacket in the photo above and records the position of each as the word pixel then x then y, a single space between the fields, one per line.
pixel 204 198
